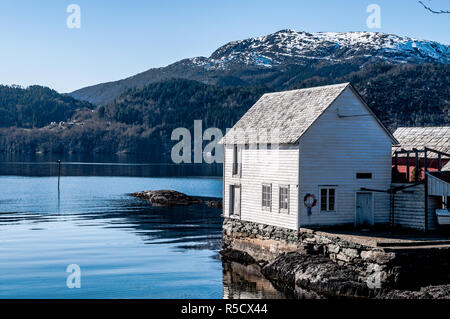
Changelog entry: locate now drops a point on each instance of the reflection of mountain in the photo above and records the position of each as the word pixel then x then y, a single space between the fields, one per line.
pixel 198 225
pixel 100 165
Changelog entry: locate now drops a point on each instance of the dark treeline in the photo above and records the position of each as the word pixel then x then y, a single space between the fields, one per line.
pixel 142 120
pixel 35 106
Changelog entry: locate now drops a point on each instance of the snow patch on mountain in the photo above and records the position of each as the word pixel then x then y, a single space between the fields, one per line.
pixel 292 47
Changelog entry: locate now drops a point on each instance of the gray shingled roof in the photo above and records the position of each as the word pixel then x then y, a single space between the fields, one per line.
pixel 437 138
pixel 289 112
pixel 446 167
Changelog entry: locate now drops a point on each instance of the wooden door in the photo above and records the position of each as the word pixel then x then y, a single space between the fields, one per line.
pixel 235 200
pixel 364 211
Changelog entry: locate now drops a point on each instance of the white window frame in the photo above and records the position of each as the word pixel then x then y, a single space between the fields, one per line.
pixel 282 209
pixel 265 207
pixel 327 188
pixel 237 161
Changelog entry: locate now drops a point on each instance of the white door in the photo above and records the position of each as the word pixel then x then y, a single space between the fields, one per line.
pixel 237 201
pixel 364 211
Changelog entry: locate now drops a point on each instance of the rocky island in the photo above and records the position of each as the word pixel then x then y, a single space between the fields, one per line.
pixel 168 198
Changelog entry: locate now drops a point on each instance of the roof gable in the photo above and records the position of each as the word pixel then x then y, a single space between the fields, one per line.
pixel 283 117
pixel 290 113
pixel 374 116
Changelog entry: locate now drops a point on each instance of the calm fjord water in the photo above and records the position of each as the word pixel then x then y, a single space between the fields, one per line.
pixel 125 247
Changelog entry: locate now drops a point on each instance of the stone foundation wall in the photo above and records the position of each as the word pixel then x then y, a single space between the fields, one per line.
pixel 376 266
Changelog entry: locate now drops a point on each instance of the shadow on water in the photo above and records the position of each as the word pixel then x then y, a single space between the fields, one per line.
pixel 198 224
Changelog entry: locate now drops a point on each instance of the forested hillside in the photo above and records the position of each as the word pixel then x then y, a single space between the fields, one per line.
pixel 142 120
pixel 35 106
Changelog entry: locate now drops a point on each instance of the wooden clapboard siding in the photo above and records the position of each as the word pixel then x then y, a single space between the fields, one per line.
pixel 409 207
pixel 276 166
pixel 434 203
pixel 333 150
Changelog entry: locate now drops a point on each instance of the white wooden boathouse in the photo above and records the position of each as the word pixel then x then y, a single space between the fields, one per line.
pixel 308 157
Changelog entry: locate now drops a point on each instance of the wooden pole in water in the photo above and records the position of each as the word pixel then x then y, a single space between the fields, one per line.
pixel 59 171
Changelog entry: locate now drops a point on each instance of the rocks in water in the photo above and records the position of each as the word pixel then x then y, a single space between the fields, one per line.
pixel 167 198
pixel 214 204
pixel 318 273
pixel 429 292
pixel 173 198
pixel 237 255
pixel 298 272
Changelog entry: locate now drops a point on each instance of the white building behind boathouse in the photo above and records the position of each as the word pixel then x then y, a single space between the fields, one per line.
pixel 309 157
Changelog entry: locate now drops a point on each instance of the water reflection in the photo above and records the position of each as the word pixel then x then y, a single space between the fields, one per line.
pixel 247 282
pixel 100 165
pixel 125 247
pixel 199 225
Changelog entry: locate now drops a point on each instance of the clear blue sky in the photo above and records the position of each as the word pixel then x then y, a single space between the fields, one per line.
pixel 121 38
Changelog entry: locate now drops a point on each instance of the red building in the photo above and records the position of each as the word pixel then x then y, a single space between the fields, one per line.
pixel 424 147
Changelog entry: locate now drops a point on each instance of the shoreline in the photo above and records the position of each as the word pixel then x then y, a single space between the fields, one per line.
pixel 336 268
pixel 320 278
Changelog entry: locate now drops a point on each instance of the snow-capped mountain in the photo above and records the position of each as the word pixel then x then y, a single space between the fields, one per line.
pixel 280 57
pixel 292 47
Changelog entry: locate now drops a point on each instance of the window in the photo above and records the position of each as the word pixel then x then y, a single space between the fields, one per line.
pixel 232 196
pixel 235 163
pixel 327 199
pixel 236 160
pixel 363 175
pixel 267 196
pixel 284 199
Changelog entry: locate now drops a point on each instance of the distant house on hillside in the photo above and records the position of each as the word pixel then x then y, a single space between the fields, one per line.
pixel 322 167
pixel 414 141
